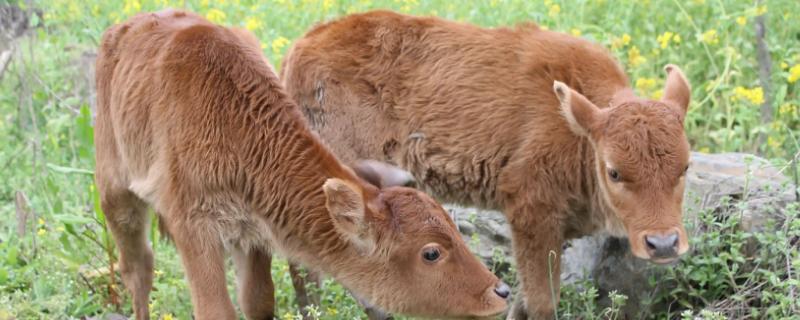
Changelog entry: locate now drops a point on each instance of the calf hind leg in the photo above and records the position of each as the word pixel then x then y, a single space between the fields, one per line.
pixel 127 218
pixel 256 291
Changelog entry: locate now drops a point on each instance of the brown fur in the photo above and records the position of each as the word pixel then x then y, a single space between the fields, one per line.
pixel 193 122
pixel 522 120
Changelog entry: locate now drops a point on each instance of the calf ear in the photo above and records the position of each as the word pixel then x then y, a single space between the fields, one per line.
pixel 676 90
pixel 345 202
pixel 383 175
pixel 581 114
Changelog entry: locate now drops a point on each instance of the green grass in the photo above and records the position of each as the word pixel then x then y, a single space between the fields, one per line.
pixel 59 267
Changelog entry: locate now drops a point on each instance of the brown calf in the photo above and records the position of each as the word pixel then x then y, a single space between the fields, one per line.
pixel 193 122
pixel 539 124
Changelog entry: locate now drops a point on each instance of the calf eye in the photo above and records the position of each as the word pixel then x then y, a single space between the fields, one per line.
pixel 613 175
pixel 431 254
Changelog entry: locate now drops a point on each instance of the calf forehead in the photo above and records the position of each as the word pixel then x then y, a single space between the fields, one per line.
pixel 646 139
pixel 413 211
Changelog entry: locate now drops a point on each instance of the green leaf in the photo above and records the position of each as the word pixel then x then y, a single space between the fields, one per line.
pixel 72 219
pixel 68 170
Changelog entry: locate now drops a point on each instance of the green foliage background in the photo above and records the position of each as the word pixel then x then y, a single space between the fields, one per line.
pixel 59 267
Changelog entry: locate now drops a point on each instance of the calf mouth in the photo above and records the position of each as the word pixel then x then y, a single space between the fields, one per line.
pixel 665 261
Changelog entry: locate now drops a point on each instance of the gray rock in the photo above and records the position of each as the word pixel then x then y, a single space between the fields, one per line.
pixel 753 184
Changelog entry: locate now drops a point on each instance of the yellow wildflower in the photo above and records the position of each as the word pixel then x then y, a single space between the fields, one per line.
pixel 278 44
pixel 755 95
pixel 656 95
pixel 710 37
pixel 635 57
pixel 621 41
pixel 626 39
pixel 215 16
pixel 761 10
pixel 327 5
pixel 676 38
pixel 645 84
pixel 787 109
pixel 131 7
pixel 646 87
pixel 794 73
pixel 252 23
pixel 41 221
pixel 554 10
pixel 41 232
pixel 773 143
pixel 575 32
pixel 741 20
pixel 167 316
pixel 664 39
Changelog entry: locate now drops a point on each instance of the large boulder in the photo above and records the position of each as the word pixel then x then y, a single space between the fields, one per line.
pixel 714 182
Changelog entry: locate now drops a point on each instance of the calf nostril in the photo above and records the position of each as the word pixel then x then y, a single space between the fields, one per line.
pixel 672 240
pixel 651 244
pixel 662 245
pixel 502 290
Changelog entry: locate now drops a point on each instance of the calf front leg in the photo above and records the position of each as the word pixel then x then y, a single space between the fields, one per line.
pixel 254 281
pixel 203 256
pixel 303 279
pixel 537 239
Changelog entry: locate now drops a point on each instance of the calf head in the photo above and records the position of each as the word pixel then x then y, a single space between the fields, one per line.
pixel 416 261
pixel 641 156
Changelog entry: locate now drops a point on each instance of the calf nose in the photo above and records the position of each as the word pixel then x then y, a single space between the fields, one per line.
pixel 662 246
pixel 502 290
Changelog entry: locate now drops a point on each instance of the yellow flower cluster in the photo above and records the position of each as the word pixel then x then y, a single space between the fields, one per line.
pixel 755 95
pixel 132 7
pixel 773 143
pixel 741 20
pixel 407 5
pixel 620 42
pixel 635 58
pixel 41 231
pixel 252 24
pixel 553 8
pixel 788 109
pixel 667 37
pixel 710 37
pixel 278 44
pixel 575 32
pixel 794 73
pixel 215 16
pixel 648 87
